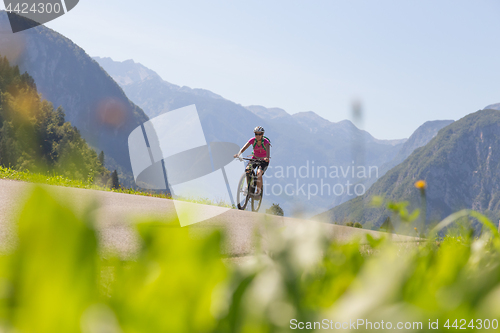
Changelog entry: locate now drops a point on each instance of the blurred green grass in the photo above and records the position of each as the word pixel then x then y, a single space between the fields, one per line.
pixel 55 280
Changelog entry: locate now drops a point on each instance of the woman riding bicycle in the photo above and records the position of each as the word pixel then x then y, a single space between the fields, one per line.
pixel 261 151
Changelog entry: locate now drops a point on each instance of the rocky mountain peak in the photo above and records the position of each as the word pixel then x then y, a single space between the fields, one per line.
pixel 493 107
pixel 126 72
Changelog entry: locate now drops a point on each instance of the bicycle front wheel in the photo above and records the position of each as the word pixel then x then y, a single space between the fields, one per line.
pixel 242 192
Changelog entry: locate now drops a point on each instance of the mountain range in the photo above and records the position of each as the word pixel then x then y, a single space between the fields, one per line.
pixel 460 166
pixel 419 138
pixel 303 140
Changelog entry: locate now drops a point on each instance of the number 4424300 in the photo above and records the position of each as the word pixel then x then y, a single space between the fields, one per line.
pixel 36 8
pixel 462 324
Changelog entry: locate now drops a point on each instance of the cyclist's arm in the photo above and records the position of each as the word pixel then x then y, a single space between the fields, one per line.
pixel 243 149
pixel 268 151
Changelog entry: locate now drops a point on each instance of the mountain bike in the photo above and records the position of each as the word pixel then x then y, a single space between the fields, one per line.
pixel 247 186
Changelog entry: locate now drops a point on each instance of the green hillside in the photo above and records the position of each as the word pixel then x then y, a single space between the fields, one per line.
pixel 67 76
pixel 34 136
pixel 460 165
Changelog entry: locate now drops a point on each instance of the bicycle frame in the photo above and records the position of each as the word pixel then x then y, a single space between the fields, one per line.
pixel 251 185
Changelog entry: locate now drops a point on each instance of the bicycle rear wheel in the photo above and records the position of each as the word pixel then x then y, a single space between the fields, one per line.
pixel 257 201
pixel 242 192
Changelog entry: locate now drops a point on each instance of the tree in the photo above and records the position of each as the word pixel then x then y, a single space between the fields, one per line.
pixel 358 225
pixel 115 183
pixel 275 209
pixel 101 158
pixel 349 224
pixel 387 225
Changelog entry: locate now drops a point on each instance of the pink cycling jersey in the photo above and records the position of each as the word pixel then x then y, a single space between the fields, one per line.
pixel 258 151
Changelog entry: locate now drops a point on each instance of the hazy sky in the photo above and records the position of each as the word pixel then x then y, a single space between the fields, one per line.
pixel 406 61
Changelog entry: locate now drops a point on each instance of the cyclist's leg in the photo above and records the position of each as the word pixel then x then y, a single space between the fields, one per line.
pixel 264 167
pixel 248 171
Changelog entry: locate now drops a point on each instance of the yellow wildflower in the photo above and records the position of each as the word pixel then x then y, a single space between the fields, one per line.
pixel 421 184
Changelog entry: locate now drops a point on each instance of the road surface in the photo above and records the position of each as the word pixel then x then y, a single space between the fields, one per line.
pixel 116 214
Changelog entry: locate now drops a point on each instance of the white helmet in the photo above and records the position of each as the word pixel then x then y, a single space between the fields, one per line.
pixel 258 129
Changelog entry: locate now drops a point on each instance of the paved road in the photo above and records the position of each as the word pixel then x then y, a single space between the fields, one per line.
pixel 116 213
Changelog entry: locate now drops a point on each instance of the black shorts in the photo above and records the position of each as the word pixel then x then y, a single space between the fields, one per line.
pixel 262 165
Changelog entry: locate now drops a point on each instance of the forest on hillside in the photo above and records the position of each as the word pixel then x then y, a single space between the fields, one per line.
pixel 35 137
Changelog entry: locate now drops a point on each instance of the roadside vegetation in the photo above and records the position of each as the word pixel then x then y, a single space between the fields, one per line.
pixel 275 209
pixel 58 180
pixel 55 279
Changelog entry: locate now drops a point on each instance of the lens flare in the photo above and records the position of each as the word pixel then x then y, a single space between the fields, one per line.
pixel 111 112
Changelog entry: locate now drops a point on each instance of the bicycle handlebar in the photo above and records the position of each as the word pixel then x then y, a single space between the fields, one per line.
pixel 251 159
